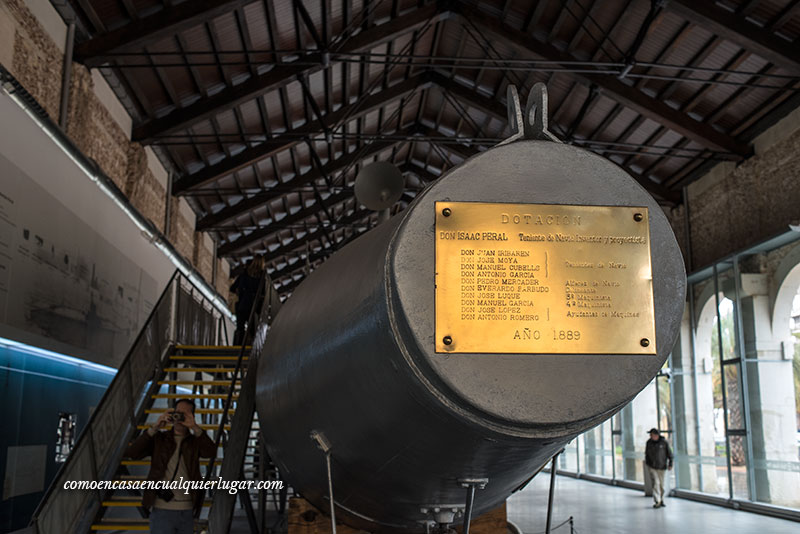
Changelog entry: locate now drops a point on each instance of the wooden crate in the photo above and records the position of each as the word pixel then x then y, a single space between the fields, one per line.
pixel 305 519
pixel 492 522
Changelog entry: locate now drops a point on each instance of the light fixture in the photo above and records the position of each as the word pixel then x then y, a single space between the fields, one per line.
pixel 55 356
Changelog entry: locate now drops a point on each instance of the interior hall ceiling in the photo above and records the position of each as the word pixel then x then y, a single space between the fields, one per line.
pixel 264 111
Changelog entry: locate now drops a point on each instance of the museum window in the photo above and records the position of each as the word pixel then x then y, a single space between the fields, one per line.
pixel 728 397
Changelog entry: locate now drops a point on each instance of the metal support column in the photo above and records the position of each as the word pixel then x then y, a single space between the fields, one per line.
pixel 743 385
pixel 325 446
pixel 722 381
pixel 692 343
pixel 470 484
pixel 553 472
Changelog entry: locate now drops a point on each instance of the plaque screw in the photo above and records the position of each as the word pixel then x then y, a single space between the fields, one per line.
pixel 448 340
pixel 638 217
pixel 446 212
pixel 645 342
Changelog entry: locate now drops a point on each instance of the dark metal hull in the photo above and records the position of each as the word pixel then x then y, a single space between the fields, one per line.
pixel 351 355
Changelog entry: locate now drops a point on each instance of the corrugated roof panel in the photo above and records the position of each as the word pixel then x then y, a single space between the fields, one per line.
pixel 295 104
pixel 195 40
pixel 283 24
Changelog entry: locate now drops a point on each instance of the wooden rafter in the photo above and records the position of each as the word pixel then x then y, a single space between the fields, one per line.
pixel 295 136
pixel 610 86
pixel 226 214
pixel 165 23
pixel 737 29
pixel 280 76
pixel 372 102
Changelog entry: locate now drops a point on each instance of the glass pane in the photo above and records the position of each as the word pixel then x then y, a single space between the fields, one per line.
pixel 684 438
pixel 739 467
pixel 722 324
pixel 619 464
pixel 568 461
pixel 593 451
pixel 639 417
pixel 733 400
pixel 773 376
pixel 616 447
pixel 664 404
pixel 721 465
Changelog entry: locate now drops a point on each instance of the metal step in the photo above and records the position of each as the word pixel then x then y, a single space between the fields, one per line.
pixel 204 427
pixel 195 382
pixel 135 524
pixel 122 525
pixel 211 358
pixel 193 396
pixel 147 462
pixel 209 370
pixel 212 348
pixel 133 502
pixel 198 411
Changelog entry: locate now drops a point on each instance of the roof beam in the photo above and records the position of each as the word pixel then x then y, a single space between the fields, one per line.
pixel 737 29
pixel 673 197
pixel 354 218
pixel 423 174
pixel 325 251
pixel 167 22
pixel 269 148
pixel 488 105
pixel 282 74
pixel 332 167
pixel 321 254
pixel 304 213
pixel 612 87
pixel 357 216
pixel 296 245
pixel 257 235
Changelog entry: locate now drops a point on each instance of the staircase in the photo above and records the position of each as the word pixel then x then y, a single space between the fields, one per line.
pixel 173 357
pixel 203 374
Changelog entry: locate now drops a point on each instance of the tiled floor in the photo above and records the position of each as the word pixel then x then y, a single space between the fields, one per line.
pixel 599 508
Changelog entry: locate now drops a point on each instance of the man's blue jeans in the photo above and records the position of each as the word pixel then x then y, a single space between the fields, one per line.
pixel 171 521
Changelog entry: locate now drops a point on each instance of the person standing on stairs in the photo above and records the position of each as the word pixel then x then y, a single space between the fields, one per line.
pixel 173 454
pixel 245 287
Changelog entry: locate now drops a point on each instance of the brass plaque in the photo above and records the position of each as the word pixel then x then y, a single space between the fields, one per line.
pixel 543 278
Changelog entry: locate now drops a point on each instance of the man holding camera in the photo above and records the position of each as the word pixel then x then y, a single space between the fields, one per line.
pixel 173 454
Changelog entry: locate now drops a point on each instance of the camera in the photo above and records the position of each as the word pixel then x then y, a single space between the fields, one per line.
pixel 176 416
pixel 165 494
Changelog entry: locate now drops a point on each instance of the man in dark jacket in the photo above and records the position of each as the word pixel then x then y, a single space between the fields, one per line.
pixel 173 454
pixel 658 457
pixel 245 288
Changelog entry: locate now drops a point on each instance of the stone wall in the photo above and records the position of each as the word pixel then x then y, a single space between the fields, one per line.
pixel 203 255
pixel 677 220
pixel 36 60
pixel 94 131
pixel 223 280
pixel 97 125
pixel 143 188
pixel 181 230
pixel 736 206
